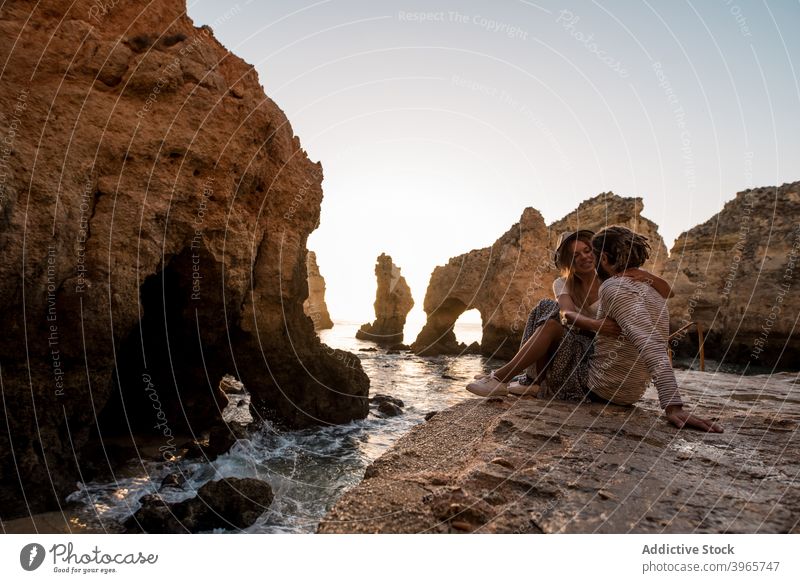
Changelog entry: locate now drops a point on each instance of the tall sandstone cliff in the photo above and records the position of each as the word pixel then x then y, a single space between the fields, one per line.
pixel 154 211
pixel 738 274
pixel 506 280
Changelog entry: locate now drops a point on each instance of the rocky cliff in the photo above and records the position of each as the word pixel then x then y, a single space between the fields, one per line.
pixel 506 280
pixel 532 466
pixel 393 302
pixel 738 274
pixel 314 306
pixel 154 211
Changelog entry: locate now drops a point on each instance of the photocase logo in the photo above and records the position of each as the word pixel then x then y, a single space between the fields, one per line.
pixel 31 556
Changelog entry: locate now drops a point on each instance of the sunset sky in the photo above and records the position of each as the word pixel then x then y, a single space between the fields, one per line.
pixel 438 122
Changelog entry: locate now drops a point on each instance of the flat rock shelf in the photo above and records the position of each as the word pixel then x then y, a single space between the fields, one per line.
pixel 530 466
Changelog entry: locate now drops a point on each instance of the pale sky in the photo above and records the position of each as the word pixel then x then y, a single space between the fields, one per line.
pixel 438 122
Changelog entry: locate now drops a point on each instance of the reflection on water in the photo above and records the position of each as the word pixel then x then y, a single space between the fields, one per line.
pixel 309 469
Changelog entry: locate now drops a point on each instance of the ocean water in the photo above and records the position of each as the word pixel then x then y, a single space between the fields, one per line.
pixel 310 469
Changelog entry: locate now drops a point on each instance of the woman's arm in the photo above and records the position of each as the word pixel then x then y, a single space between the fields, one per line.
pixel 605 326
pixel 651 279
pixel 570 313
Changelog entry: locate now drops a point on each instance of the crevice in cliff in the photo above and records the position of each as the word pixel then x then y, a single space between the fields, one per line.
pixel 168 367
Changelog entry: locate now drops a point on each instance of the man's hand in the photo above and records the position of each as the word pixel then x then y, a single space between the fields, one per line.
pixel 681 419
pixel 637 274
pixel 609 327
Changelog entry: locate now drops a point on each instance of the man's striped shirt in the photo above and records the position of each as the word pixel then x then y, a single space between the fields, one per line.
pixel 621 367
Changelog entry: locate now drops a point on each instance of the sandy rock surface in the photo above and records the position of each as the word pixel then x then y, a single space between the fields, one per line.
pixel 529 466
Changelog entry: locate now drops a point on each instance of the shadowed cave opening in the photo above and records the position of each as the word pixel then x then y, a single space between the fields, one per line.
pixel 170 364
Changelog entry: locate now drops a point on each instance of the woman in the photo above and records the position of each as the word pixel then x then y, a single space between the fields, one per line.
pixel 575 311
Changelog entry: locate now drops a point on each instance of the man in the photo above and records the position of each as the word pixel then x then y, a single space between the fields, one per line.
pixel 619 368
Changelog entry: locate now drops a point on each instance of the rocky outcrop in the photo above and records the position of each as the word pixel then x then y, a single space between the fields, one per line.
pixel 738 275
pixel 393 302
pixel 314 306
pixel 231 504
pixel 506 280
pixel 532 466
pixel 154 212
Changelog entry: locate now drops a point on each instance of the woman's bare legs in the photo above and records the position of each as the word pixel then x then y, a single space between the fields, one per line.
pixel 543 341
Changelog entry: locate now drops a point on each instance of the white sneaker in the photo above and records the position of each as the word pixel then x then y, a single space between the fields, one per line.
pixel 521 390
pixel 488 386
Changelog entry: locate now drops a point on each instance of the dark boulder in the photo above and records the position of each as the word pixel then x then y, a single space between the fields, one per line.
pixel 231 504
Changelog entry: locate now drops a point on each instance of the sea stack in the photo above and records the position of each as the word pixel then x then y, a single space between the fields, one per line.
pixel 315 307
pixel 393 302
pixel 154 213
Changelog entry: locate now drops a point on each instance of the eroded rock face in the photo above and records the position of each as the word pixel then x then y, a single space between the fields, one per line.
pixel 506 280
pixel 738 275
pixel 315 307
pixel 532 466
pixel 154 212
pixel 393 302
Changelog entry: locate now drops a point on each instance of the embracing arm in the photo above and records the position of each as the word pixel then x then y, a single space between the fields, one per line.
pixel 657 283
pixel 570 313
pixel 605 326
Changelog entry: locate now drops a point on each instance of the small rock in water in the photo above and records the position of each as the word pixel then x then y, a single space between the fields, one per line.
pixel 237 412
pixel 370 349
pixel 231 503
pixel 430 415
pixel 449 378
pixel 173 480
pixel 473 348
pixel 387 405
pixel 381 398
pixel 389 409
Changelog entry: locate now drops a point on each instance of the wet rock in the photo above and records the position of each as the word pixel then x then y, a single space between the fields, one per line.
pixel 369 349
pixel 473 348
pixel 430 415
pixel 389 409
pixel 231 504
pixel 237 415
pixel 381 398
pixel 387 405
pixel 173 480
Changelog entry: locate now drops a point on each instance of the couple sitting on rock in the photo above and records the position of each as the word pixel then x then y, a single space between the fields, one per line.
pixel 604 338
